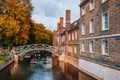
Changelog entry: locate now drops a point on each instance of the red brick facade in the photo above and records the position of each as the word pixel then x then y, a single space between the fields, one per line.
pixel 67 39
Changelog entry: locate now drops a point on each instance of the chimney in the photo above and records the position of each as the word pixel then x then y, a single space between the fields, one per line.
pixel 61 21
pixel 68 15
pixel 58 26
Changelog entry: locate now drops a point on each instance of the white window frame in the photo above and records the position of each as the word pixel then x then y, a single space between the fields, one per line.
pixel 91 47
pixel 83 47
pixel 91 4
pixel 73 36
pixel 83 28
pixel 104 47
pixel 83 10
pixel 103 21
pixel 91 26
pixel 76 35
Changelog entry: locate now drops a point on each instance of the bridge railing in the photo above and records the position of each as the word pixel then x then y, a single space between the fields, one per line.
pixel 31 47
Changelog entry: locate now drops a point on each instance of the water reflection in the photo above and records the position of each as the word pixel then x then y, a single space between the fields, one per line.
pixel 14 69
pixel 24 71
pixel 73 73
pixel 41 71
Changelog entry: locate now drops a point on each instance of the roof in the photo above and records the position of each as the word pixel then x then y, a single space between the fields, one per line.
pixel 74 25
pixel 63 32
pixel 83 3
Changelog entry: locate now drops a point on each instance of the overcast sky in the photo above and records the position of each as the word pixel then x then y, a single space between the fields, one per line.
pixel 49 11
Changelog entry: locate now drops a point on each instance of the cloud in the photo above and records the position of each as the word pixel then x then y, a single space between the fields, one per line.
pixel 48 12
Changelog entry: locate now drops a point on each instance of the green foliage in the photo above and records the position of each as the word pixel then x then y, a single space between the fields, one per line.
pixel 1 62
pixel 42 35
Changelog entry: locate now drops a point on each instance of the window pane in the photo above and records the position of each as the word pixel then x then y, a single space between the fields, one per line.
pixel 105 21
pixel 83 46
pixel 106 46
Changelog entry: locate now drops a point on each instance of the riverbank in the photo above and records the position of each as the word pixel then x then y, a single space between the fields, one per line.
pixel 5 64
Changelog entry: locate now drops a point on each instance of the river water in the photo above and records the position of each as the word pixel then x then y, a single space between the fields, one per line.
pixel 41 71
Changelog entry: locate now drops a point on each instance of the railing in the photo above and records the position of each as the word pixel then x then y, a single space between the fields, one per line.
pixel 32 47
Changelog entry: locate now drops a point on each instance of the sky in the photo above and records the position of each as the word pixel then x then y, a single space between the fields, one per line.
pixel 48 12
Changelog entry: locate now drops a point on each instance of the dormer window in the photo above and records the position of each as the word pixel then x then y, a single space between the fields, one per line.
pixel 91 5
pixel 83 11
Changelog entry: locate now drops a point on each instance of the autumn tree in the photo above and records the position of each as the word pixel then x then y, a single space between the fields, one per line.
pixel 42 35
pixel 15 21
pixel 17 27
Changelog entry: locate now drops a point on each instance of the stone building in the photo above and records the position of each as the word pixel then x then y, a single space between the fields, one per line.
pixel 100 38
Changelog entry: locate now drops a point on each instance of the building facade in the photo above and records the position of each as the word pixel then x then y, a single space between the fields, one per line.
pixel 92 43
pixel 100 37
pixel 67 40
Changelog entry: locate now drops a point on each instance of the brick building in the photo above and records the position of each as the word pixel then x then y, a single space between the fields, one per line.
pixel 94 39
pixel 100 37
pixel 66 38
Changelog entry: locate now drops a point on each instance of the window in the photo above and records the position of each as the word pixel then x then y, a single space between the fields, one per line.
pixel 75 49
pixel 91 26
pixel 105 47
pixel 71 49
pixel 83 47
pixel 69 36
pixel 91 5
pixel 83 11
pixel 76 35
pixel 91 47
pixel 105 25
pixel 63 49
pixel 72 35
pixel 104 1
pixel 68 48
pixel 83 28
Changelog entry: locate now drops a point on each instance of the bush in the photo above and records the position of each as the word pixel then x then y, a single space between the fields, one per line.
pixel 7 58
pixel 10 53
pixel 2 57
pixel 1 61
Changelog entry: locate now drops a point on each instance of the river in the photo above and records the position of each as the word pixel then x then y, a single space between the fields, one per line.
pixel 41 71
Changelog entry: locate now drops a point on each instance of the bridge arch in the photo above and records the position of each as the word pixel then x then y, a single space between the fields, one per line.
pixel 20 50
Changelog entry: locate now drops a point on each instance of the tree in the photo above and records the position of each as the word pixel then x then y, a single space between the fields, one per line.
pixel 17 27
pixel 15 21
pixel 42 35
